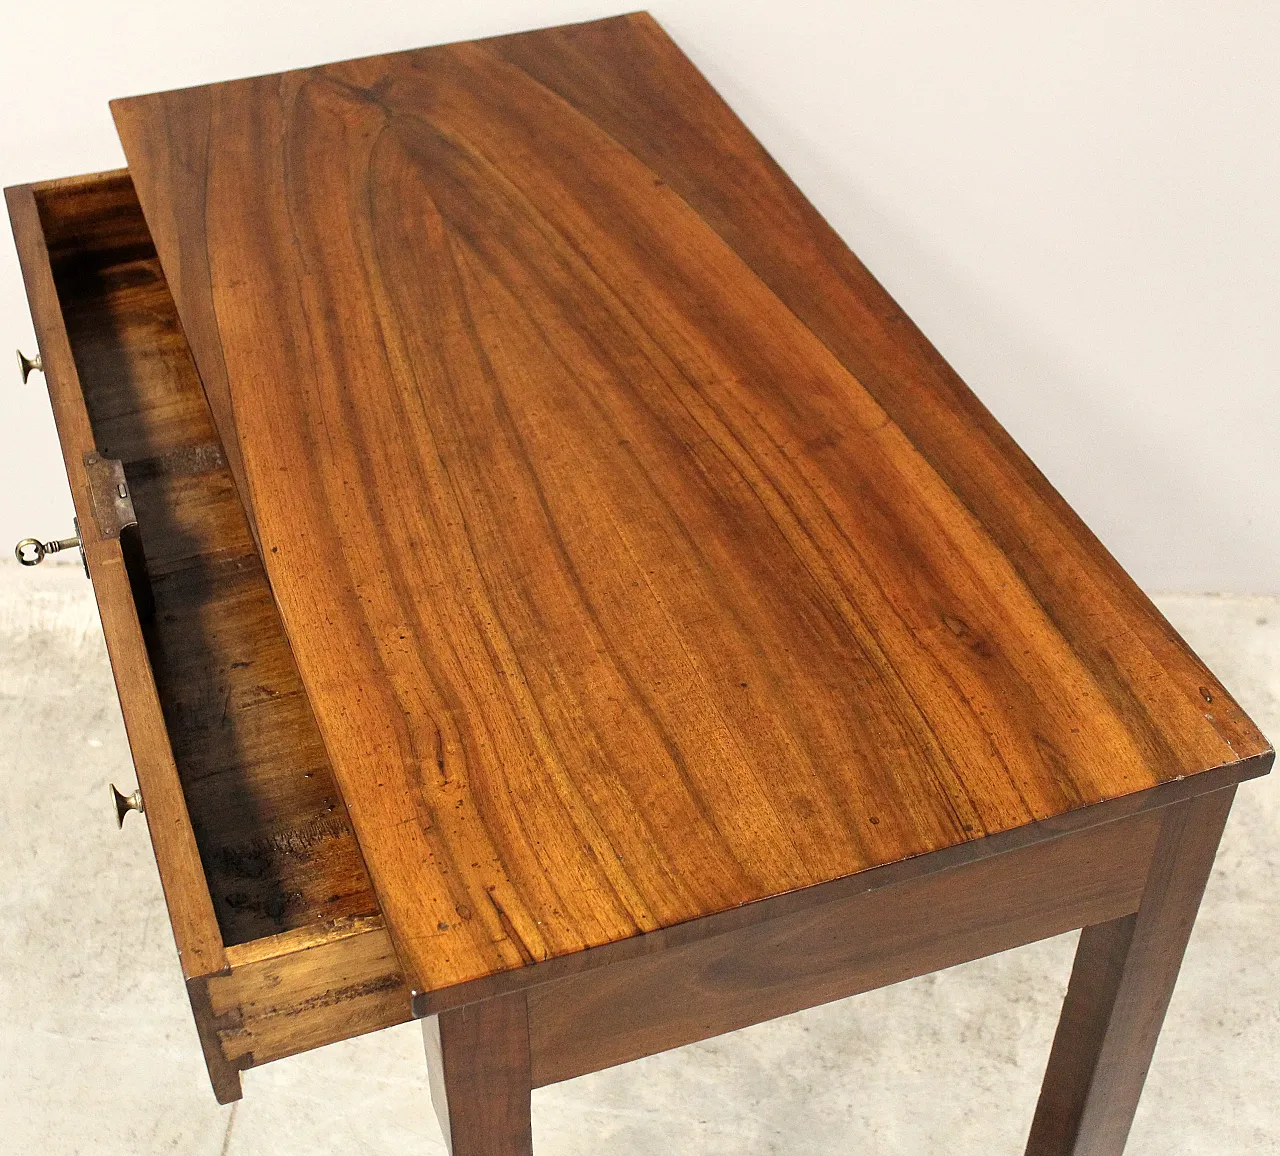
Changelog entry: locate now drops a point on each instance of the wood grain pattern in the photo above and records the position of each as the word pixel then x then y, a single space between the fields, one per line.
pixel 640 559
pixel 224 1076
pixel 295 991
pixel 791 903
pixel 253 845
pixel 304 988
pixel 195 926
pixel 636 1008
pixel 478 1061
pixel 277 848
pixel 1120 988
pixel 629 77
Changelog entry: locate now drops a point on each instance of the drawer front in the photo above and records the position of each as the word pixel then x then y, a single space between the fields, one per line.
pixel 280 939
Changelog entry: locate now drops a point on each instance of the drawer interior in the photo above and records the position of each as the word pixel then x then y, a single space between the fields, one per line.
pixel 277 847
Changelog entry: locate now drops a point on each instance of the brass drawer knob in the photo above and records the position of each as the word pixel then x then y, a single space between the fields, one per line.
pixel 27 364
pixel 126 803
pixel 32 551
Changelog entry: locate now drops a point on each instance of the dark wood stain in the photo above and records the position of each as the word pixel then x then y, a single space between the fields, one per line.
pixel 647 1004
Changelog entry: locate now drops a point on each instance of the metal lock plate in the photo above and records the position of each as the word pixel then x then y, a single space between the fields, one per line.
pixel 109 495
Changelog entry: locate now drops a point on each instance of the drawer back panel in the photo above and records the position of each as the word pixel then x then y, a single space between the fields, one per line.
pixel 274 838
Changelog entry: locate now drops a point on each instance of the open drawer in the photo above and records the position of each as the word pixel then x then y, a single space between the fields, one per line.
pixel 281 941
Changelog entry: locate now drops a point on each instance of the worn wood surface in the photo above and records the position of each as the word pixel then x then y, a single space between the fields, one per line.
pixel 191 911
pixel 224 1075
pixel 640 559
pixel 611 1015
pixel 253 844
pixel 307 988
pixel 478 1063
pixel 274 839
pixel 1120 988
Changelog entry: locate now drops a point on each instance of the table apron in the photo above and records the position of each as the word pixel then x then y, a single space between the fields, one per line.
pixel 641 1006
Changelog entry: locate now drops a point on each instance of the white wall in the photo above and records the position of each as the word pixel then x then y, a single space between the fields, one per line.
pixel 1079 203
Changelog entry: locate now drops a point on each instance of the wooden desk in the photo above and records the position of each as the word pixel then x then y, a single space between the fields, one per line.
pixel 569 602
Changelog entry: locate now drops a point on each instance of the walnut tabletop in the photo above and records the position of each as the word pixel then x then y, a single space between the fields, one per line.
pixel 640 558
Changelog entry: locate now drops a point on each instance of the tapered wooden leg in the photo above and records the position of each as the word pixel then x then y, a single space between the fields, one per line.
pixel 1120 987
pixel 478 1061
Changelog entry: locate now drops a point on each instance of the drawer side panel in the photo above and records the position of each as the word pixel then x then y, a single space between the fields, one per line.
pixel 274 839
pixel 182 876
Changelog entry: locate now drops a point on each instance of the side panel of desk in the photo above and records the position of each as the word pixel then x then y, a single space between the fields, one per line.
pixel 646 1005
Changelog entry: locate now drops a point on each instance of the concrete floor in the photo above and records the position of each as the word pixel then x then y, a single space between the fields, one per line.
pixel 98 1053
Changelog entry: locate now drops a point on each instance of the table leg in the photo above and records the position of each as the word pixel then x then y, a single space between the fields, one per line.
pixel 1120 987
pixel 478 1061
